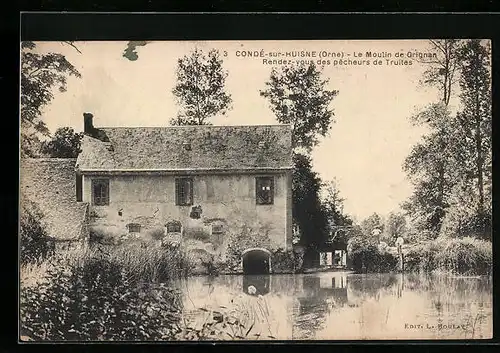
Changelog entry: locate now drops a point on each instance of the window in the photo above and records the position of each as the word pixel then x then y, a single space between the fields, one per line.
pixel 217 229
pixel 184 191
pixel 134 227
pixel 78 187
pixel 100 192
pixel 264 190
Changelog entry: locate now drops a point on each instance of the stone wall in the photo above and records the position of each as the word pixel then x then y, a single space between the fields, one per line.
pixel 227 201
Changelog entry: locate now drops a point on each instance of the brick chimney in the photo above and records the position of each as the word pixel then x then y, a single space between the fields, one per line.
pixel 88 124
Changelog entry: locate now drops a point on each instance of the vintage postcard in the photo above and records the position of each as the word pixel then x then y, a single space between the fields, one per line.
pixel 255 190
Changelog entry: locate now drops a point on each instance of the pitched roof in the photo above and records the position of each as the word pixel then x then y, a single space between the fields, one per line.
pixel 172 148
pixel 50 183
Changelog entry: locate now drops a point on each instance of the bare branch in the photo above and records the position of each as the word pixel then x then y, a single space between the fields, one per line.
pixel 72 45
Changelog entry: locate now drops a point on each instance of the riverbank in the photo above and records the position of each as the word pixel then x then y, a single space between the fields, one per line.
pixel 116 293
pixel 454 256
pixel 127 292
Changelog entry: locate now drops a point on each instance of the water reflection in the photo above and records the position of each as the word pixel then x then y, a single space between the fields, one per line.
pixel 317 298
pixel 342 305
pixel 256 284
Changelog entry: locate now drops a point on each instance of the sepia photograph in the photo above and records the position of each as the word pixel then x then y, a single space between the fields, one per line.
pixel 255 190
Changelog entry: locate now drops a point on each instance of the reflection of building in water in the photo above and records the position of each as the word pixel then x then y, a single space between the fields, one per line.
pixel 256 284
pixel 323 288
pixel 319 295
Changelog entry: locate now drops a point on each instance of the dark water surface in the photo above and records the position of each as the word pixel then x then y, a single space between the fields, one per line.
pixel 341 305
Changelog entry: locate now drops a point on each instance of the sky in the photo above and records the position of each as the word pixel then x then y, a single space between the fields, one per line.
pixel 366 145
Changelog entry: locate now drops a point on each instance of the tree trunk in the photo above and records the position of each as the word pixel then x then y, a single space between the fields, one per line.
pixel 441 185
pixel 446 92
pixel 479 165
pixel 479 145
pixel 442 171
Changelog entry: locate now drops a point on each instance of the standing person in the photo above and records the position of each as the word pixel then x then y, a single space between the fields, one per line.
pixel 399 245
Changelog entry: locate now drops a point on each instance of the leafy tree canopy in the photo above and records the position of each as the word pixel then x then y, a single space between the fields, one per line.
pixel 40 75
pixel 64 144
pixel 298 95
pixel 200 88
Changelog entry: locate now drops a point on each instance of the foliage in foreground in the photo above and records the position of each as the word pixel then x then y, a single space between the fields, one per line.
pixel 151 263
pixel 95 298
pixel 93 295
pixel 35 243
pixel 464 256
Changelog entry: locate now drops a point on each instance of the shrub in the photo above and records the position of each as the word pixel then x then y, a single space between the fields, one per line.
pixel 232 264
pixel 421 257
pixel 105 235
pixel 155 233
pixel 212 266
pixel 92 298
pixel 365 256
pixel 36 246
pixel 283 261
pixel 466 256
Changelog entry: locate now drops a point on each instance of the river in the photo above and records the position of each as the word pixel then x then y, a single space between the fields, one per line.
pixel 342 305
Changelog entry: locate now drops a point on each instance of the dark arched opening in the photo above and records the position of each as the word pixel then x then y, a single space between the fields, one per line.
pixel 256 261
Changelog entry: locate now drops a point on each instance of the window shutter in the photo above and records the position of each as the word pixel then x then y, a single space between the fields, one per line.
pixel 177 186
pixel 258 190
pixel 78 187
pixel 106 192
pixel 183 191
pixel 271 192
pixel 190 190
pixel 95 193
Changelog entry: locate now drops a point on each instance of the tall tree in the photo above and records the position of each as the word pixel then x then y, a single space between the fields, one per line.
pixel 476 117
pixel 307 210
pixel 429 166
pixel 200 88
pixel 395 226
pixel 442 68
pixel 471 204
pixel 40 74
pixel 451 166
pixel 334 205
pixel 298 95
